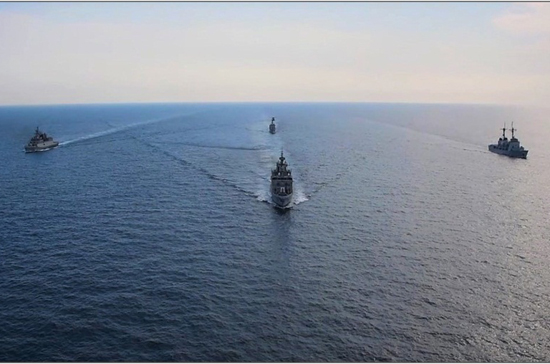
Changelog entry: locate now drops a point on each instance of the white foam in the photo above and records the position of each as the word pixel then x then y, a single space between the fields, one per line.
pixel 262 194
pixel 90 136
pixel 299 195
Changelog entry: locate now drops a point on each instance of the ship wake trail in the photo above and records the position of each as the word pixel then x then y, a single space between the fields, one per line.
pixel 254 148
pixel 189 164
pixel 119 129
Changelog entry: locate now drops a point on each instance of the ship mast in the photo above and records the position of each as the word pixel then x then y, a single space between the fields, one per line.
pixel 504 131
pixel 513 129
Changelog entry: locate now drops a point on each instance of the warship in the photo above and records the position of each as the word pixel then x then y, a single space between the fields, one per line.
pixel 272 126
pixel 281 183
pixel 40 142
pixel 510 148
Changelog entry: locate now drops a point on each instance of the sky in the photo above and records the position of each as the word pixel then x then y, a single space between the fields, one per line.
pixel 101 52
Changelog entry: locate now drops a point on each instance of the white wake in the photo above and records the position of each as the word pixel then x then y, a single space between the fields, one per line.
pixel 115 130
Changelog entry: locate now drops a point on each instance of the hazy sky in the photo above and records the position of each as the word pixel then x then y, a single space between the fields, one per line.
pixel 56 53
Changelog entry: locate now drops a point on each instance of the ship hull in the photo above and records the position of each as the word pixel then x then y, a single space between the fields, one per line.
pixel 509 153
pixel 281 200
pixel 40 147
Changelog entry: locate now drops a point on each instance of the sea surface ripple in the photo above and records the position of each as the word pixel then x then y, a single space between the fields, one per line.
pixel 148 234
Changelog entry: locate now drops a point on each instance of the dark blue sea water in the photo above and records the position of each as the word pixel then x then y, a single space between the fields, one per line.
pixel 148 235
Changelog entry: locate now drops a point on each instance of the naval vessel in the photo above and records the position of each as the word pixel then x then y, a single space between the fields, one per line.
pixel 510 148
pixel 272 126
pixel 40 142
pixel 281 183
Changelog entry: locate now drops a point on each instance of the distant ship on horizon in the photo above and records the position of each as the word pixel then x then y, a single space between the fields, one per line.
pixel 272 126
pixel 510 148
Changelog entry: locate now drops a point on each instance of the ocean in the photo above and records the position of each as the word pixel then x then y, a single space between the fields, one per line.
pixel 148 234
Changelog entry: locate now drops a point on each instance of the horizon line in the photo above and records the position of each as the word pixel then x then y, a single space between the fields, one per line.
pixel 268 102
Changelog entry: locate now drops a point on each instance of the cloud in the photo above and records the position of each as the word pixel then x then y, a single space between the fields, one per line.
pixel 526 19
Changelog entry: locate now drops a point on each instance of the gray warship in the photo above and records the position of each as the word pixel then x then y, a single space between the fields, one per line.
pixel 281 183
pixel 510 148
pixel 40 142
pixel 272 126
